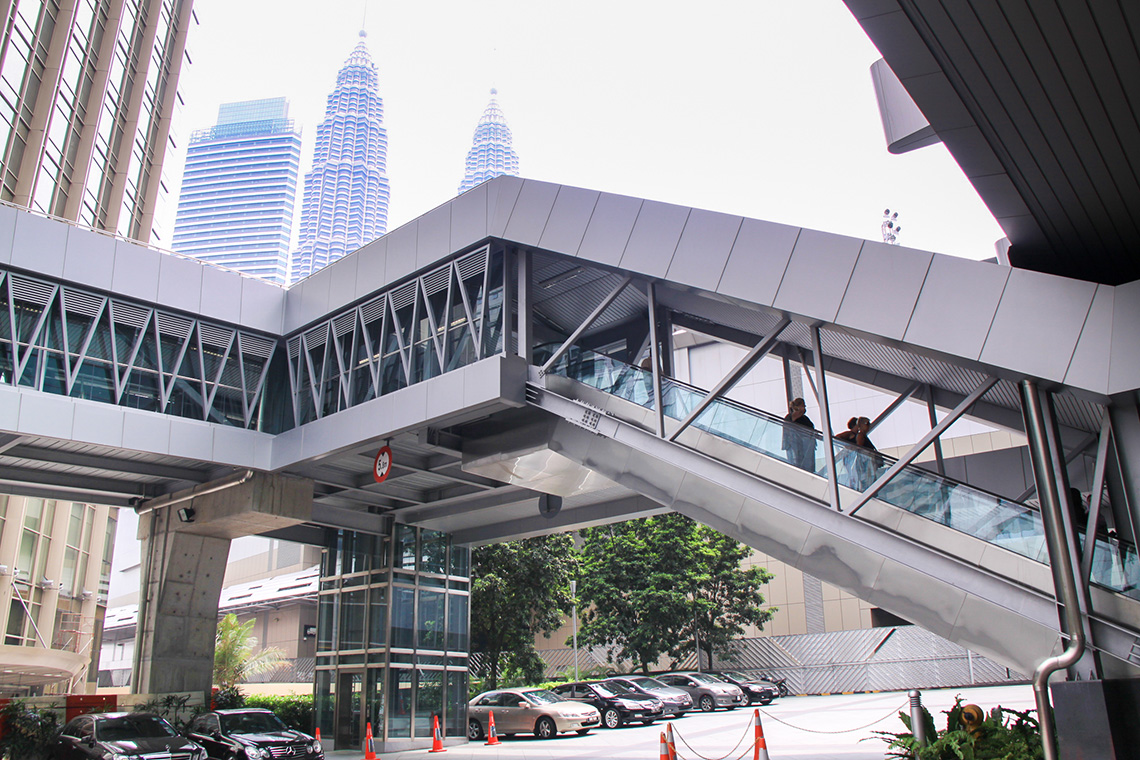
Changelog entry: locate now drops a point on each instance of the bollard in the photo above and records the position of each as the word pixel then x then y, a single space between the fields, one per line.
pixel 917 724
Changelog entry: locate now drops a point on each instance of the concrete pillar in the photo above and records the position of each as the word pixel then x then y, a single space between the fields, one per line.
pixel 184 562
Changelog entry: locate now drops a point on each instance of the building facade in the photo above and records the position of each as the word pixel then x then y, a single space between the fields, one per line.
pixel 345 203
pixel 491 151
pixel 55 562
pixel 239 189
pixel 87 91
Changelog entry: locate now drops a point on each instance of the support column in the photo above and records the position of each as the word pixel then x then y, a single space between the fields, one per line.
pixel 186 544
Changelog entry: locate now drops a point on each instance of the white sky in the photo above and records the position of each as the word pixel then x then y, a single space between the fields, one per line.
pixel 757 107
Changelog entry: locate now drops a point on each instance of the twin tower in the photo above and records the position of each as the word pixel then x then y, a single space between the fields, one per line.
pixel 239 187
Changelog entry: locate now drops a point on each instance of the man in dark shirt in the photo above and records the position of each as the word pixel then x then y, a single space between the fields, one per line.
pixel 798 443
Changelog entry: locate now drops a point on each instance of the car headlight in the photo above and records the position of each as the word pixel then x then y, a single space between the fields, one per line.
pixel 315 747
pixel 255 753
pixel 120 757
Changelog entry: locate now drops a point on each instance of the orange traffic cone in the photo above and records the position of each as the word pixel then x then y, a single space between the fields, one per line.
pixel 670 742
pixel 663 753
pixel 492 735
pixel 436 736
pixel 369 750
pixel 760 752
pixel 318 734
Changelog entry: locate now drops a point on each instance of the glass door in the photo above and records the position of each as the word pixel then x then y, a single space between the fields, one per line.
pixel 349 716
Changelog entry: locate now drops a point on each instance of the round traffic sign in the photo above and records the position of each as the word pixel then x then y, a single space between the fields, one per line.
pixel 383 464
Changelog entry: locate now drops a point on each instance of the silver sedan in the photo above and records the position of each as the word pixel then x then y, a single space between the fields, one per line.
pixel 528 711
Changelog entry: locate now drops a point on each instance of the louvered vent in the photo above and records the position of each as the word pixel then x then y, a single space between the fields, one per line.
pixel 174 327
pixel 253 345
pixel 294 347
pixel 372 310
pixel 31 291
pixel 344 323
pixel 129 315
pixel 212 335
pixel 86 304
pixel 436 281
pixel 473 263
pixel 316 337
pixel 403 296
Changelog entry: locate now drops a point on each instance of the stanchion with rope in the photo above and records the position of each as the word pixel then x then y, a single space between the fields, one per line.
pixel 436 736
pixel 492 735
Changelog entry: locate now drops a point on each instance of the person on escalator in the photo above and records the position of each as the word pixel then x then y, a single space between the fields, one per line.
pixel 798 443
pixel 861 466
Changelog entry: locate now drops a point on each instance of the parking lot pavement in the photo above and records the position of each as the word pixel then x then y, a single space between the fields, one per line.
pixel 835 727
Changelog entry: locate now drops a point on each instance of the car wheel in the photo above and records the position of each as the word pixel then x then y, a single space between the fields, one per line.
pixel 679 715
pixel 474 730
pixel 583 731
pixel 611 718
pixel 648 722
pixel 707 703
pixel 544 728
pixel 766 702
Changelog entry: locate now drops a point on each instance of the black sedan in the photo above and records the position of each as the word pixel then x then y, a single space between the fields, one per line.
pixel 756 690
pixel 251 734
pixel 617 705
pixel 113 736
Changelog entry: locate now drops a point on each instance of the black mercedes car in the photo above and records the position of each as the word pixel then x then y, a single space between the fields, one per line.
pixel 616 704
pixel 113 736
pixel 756 689
pixel 251 734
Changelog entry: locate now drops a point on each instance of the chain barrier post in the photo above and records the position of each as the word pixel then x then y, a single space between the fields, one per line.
pixel 917 724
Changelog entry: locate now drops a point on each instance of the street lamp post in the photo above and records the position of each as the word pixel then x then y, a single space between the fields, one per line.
pixel 574 593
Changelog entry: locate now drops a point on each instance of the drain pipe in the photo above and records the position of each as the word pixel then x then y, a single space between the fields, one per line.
pixel 177 498
pixel 1059 561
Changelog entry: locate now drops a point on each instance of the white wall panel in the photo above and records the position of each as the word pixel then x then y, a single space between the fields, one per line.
pixel 818 274
pixel 568 219
pixel 89 259
pixel 146 431
pixel 135 273
pixel 884 289
pixel 371 267
pixel 401 258
pixel 45 414
pixel 940 321
pixel 39 244
pixel 468 218
pixel 262 305
pixel 704 248
pixel 502 192
pixel 609 228
pixel 654 238
pixel 191 439
pixel 1037 323
pixel 180 283
pixel 221 295
pixel 315 297
pixel 8 216
pixel 343 275
pixel 758 260
pixel 1089 367
pixel 97 423
pixel 1125 368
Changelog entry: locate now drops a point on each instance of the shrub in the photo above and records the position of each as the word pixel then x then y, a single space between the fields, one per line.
pixel 228 698
pixel 295 711
pixel 28 731
pixel 173 708
pixel 1004 734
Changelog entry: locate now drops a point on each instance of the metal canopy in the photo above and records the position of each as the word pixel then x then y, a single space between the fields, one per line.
pixel 1036 100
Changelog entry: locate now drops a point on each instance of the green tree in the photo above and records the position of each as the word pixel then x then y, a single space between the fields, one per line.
pixel 519 589
pixel 646 581
pixel 235 658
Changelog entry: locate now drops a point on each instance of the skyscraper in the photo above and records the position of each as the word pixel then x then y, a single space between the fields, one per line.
pixel 239 189
pixel 87 91
pixel 491 153
pixel 346 192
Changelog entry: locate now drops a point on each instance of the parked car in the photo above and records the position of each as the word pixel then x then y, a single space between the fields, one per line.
pixel 113 736
pixel 617 705
pixel 756 689
pixel 251 733
pixel 708 692
pixel 528 711
pixel 676 702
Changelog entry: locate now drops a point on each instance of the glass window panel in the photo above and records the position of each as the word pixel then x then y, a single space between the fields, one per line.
pixel 456 705
pixel 374 701
pixel 433 551
pixel 429 700
pixel 431 619
pixel 325 701
pixel 403 617
pixel 460 561
pixel 399 703
pixel 326 623
pixel 352 619
pixel 378 617
pixel 457 623
pixel 405 556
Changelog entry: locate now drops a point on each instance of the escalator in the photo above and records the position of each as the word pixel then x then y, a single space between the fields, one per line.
pixel 967 565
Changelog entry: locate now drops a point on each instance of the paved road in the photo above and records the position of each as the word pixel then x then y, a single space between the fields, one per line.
pixel 838 727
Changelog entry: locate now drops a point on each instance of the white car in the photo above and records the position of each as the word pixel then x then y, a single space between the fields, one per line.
pixel 528 711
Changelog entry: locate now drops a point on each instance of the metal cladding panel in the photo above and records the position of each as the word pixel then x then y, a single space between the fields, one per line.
pixel 40 243
pixel 502 192
pixel 758 261
pixel 818 274
pixel 1037 324
pixel 568 219
pixel 942 295
pixel 1124 372
pixel 883 269
pixel 704 248
pixel 609 228
pixel 532 209
pixel 401 253
pixel 135 272
pixel 344 276
pixel 433 238
pixel 90 258
pixel 469 218
pixel 262 305
pixel 371 268
pixel 8 218
pixel 180 284
pixel 1089 367
pixel 221 295
pixel 654 238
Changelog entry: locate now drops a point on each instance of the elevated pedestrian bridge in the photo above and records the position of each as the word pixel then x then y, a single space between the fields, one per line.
pixel 489 344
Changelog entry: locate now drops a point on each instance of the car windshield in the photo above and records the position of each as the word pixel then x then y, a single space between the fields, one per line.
pixel 542 697
pixel 705 678
pixel 128 727
pixel 251 723
pixel 735 674
pixel 613 690
pixel 648 683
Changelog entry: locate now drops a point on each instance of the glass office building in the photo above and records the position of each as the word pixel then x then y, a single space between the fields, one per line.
pixel 392 637
pixel 491 153
pixel 87 91
pixel 239 189
pixel 346 193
